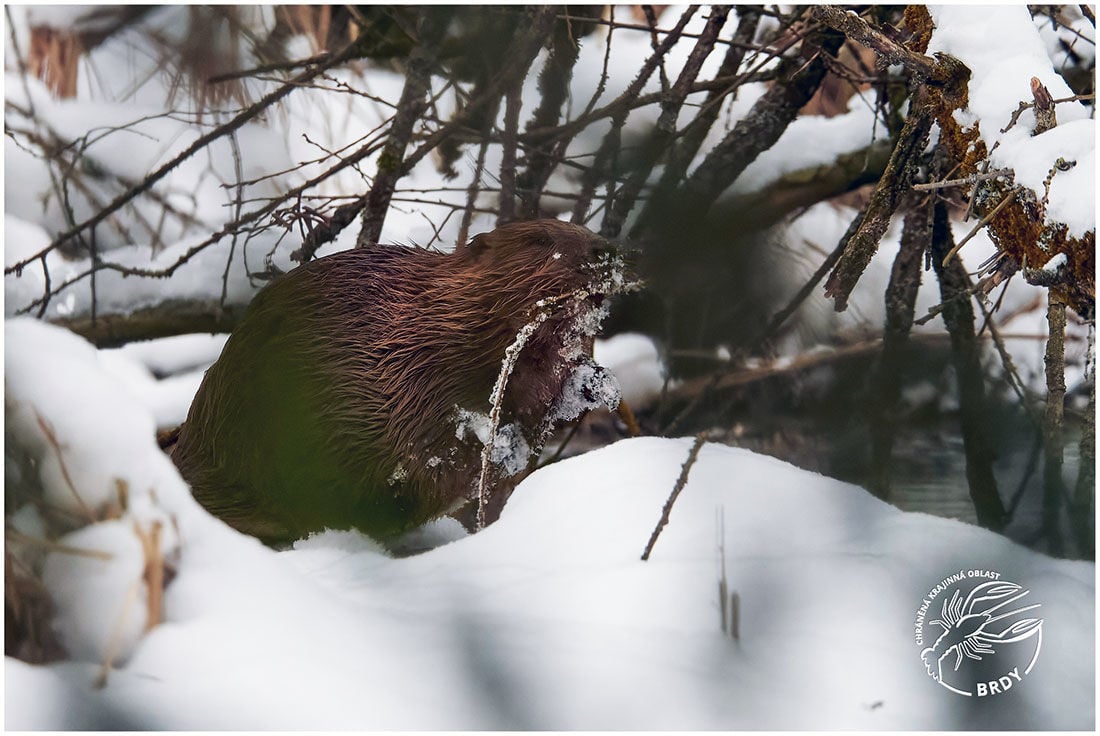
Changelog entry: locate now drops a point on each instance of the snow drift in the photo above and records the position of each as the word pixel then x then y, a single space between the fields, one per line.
pixel 547 619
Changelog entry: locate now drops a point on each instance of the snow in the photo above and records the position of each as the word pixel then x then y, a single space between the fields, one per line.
pixel 1055 263
pixel 633 359
pixel 547 619
pixel 98 600
pixel 1003 50
pixel 510 450
pixel 588 387
pixel 88 443
pixel 831 137
pixel 169 355
pixel 38 360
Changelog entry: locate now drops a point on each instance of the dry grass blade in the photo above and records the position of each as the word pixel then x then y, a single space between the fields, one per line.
pixel 51 438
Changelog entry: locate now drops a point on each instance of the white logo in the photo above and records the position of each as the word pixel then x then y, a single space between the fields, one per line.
pixel 973 638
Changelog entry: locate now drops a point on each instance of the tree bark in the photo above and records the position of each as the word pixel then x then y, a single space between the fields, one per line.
pixel 958 315
pixel 901 299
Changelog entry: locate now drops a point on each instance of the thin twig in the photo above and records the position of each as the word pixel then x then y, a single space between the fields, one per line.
pixel 512 103
pixel 781 317
pixel 972 179
pixel 691 140
pixel 200 143
pixel 760 129
pixel 114 644
pixel 984 221
pixel 610 145
pixel 665 129
pixel 472 192
pixel 565 442
pixel 279 66
pixel 542 311
pixel 700 440
pixel 629 420
pixel 153 573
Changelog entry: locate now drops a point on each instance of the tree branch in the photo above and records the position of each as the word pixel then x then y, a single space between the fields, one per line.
pixel 172 317
pixel 958 315
pixel 665 130
pixel 848 22
pixel 431 25
pixel 894 183
pixel 901 300
pixel 249 113
pixel 610 145
pixel 761 128
pixel 693 455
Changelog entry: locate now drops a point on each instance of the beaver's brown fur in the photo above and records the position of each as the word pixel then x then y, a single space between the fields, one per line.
pixel 339 400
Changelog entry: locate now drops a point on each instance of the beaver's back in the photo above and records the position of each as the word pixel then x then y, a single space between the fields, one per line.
pixel 269 444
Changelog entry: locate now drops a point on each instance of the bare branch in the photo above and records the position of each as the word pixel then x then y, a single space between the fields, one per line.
pixel 665 130
pixel 848 22
pixel 696 131
pixel 958 315
pixel 762 127
pixel 430 27
pixel 508 156
pixel 1045 115
pixel 693 455
pixel 610 146
pixel 977 228
pixel 901 299
pixel 1054 359
pixel 894 182
pixel 201 143
pixel 171 317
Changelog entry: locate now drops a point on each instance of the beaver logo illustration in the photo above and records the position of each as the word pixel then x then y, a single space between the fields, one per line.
pixel 979 642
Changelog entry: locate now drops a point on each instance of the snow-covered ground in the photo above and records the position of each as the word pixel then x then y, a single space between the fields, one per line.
pixel 548 619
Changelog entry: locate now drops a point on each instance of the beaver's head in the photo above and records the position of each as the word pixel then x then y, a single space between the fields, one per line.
pixel 546 260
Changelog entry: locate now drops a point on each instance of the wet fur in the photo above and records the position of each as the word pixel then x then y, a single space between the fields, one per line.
pixel 346 373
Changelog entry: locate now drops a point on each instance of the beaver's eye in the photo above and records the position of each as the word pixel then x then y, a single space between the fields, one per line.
pixel 541 239
pixel 602 248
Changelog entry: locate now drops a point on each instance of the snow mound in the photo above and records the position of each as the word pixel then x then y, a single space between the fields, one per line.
pixel 549 620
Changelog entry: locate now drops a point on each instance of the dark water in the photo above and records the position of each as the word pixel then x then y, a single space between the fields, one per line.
pixel 930 476
pixel 928 467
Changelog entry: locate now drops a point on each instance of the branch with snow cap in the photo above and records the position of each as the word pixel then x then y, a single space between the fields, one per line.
pixel 1046 206
pixel 970 85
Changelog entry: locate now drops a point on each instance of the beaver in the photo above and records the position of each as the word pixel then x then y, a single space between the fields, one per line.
pixel 356 390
